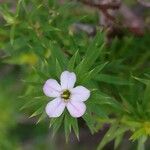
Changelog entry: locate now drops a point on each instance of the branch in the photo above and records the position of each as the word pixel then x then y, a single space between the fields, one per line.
pixel 101 5
pixel 133 22
pixel 144 3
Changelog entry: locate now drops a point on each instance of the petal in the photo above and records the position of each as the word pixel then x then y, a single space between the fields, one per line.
pixel 80 93
pixel 55 108
pixel 67 79
pixel 76 108
pixel 51 88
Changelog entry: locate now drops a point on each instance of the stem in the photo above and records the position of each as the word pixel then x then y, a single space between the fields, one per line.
pixel 141 143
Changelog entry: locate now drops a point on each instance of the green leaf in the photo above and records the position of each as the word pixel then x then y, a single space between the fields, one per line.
pixel 57 54
pixel 97 110
pixel 58 69
pixel 67 126
pixel 89 75
pixel 42 117
pixel 18 7
pixel 86 77
pixel 144 81
pixel 137 134
pixel 118 140
pixel 92 53
pixel 79 67
pixel 37 112
pixel 108 136
pixel 33 83
pixel 96 43
pixel 51 28
pixel 100 67
pixel 74 123
pixel 78 58
pixel 146 97
pixel 111 79
pixel 88 118
pixel 89 60
pixel 31 103
pixel 72 61
pixel 127 106
pixel 12 34
pixel 40 73
pixel 56 123
pixel 100 99
pixel 113 132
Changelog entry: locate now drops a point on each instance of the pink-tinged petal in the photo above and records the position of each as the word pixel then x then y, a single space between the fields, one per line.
pixel 51 88
pixel 76 108
pixel 67 79
pixel 55 108
pixel 80 93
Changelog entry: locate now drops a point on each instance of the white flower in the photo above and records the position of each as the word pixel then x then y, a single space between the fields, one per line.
pixel 65 96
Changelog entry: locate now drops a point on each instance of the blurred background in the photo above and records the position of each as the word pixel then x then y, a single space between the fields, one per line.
pixel 127 35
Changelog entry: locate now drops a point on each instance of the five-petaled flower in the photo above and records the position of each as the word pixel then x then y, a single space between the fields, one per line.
pixel 65 96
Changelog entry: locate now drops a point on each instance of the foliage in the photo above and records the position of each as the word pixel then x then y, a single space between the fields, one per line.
pixel 39 38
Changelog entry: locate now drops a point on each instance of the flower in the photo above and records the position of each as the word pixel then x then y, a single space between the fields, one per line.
pixel 66 96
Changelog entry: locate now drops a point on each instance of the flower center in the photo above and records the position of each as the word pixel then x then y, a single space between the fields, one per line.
pixel 66 95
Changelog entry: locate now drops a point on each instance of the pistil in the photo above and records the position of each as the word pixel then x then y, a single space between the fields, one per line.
pixel 66 95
